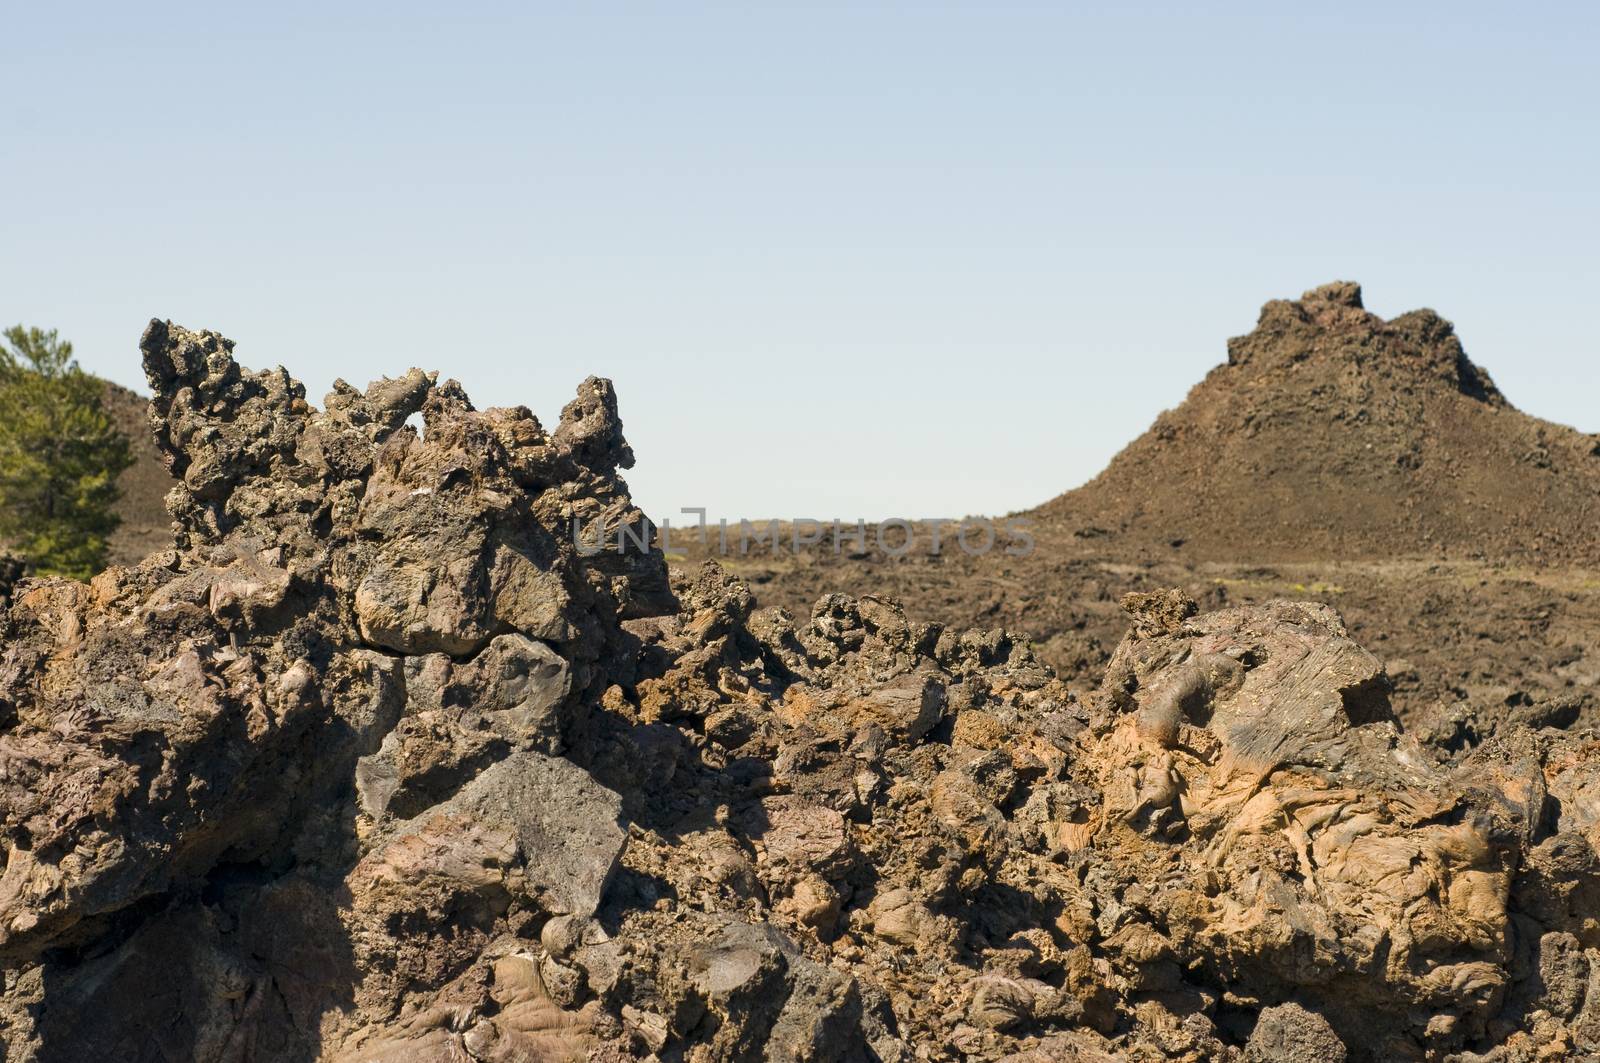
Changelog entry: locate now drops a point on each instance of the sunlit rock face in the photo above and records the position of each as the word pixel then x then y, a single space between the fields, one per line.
pixel 303 767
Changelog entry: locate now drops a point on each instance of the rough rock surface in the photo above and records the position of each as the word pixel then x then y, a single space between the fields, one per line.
pixel 1335 455
pixel 376 764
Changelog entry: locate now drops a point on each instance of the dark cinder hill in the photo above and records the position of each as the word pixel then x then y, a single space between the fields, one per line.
pixel 1330 432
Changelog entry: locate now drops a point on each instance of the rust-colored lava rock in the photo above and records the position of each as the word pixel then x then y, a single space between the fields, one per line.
pixel 375 764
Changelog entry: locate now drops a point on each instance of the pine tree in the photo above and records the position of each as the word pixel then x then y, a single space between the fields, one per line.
pixel 59 457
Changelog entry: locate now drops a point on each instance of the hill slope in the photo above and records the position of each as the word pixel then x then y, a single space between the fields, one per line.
pixel 1330 432
pixel 146 526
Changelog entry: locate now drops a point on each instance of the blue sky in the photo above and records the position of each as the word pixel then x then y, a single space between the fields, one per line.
pixel 842 260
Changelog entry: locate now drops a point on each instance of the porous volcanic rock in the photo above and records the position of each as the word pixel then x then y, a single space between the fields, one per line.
pixel 378 763
pixel 193 748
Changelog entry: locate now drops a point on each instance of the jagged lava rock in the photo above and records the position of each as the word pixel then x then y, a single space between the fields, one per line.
pixel 376 765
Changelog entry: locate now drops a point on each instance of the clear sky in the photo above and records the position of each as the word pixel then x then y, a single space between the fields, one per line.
pixel 842 260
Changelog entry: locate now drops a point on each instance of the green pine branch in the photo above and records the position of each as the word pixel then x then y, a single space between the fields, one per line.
pixel 60 455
